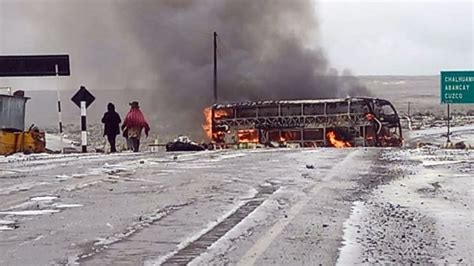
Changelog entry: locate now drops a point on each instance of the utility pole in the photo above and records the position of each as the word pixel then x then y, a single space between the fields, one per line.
pixel 215 67
pixel 449 118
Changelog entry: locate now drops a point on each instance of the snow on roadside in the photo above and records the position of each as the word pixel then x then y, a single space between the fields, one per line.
pixel 444 192
pixel 53 142
pixel 423 216
pixel 437 135
pixel 350 250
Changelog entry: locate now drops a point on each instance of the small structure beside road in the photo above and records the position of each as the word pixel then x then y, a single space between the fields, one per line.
pixel 13 136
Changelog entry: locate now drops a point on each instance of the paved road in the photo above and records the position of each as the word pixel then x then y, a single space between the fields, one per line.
pixel 239 207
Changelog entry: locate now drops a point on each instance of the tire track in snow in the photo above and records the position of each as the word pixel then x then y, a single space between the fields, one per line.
pixel 189 250
pixel 102 244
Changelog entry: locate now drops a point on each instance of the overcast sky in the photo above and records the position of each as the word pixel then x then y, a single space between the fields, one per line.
pixel 398 37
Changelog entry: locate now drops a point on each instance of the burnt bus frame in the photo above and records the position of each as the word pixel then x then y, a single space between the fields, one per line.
pixel 353 120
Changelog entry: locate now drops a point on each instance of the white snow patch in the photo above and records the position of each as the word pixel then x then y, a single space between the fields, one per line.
pixel 65 206
pixel 29 212
pixel 7 225
pixel 53 142
pixel 81 186
pixel 434 135
pixel 44 198
pixel 227 156
pixel 435 163
pixel 63 177
pixel 38 237
pixel 5 228
pixel 6 222
pixel 351 249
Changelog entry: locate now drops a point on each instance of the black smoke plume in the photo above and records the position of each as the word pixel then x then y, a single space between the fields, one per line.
pixel 267 49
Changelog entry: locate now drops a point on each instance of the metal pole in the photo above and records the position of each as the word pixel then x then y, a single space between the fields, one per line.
pixel 215 67
pixel 449 118
pixel 83 127
pixel 60 122
pixel 409 103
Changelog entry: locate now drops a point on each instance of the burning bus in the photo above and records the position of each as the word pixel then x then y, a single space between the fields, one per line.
pixel 348 122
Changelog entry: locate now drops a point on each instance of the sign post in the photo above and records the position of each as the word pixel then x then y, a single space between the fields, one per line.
pixel 457 87
pixel 449 133
pixel 60 122
pixel 83 98
pixel 83 127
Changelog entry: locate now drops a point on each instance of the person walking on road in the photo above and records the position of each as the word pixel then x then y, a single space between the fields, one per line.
pixel 134 123
pixel 111 122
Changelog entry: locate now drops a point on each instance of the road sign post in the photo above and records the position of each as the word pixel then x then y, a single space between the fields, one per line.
pixel 457 87
pixel 449 120
pixel 83 98
pixel 60 119
pixel 83 127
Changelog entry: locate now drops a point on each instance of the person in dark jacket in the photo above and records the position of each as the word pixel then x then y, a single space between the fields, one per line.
pixel 111 122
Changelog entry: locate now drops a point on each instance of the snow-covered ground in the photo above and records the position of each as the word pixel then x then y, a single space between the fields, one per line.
pixel 437 135
pixel 240 207
pixel 54 142
pixel 424 215
pixel 143 208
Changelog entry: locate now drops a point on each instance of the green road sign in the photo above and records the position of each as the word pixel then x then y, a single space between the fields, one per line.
pixel 457 86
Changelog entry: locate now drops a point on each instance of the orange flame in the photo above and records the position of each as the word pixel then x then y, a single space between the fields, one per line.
pixel 331 135
pixel 247 136
pixel 207 126
pixel 220 113
pixel 288 136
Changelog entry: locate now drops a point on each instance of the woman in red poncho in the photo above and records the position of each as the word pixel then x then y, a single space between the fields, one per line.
pixel 133 124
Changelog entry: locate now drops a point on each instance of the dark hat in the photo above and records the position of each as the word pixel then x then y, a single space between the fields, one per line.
pixel 134 104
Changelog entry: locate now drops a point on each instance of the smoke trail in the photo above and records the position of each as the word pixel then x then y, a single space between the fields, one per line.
pixel 268 49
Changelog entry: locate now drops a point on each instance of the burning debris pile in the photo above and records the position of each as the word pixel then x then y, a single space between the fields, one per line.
pixel 336 123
